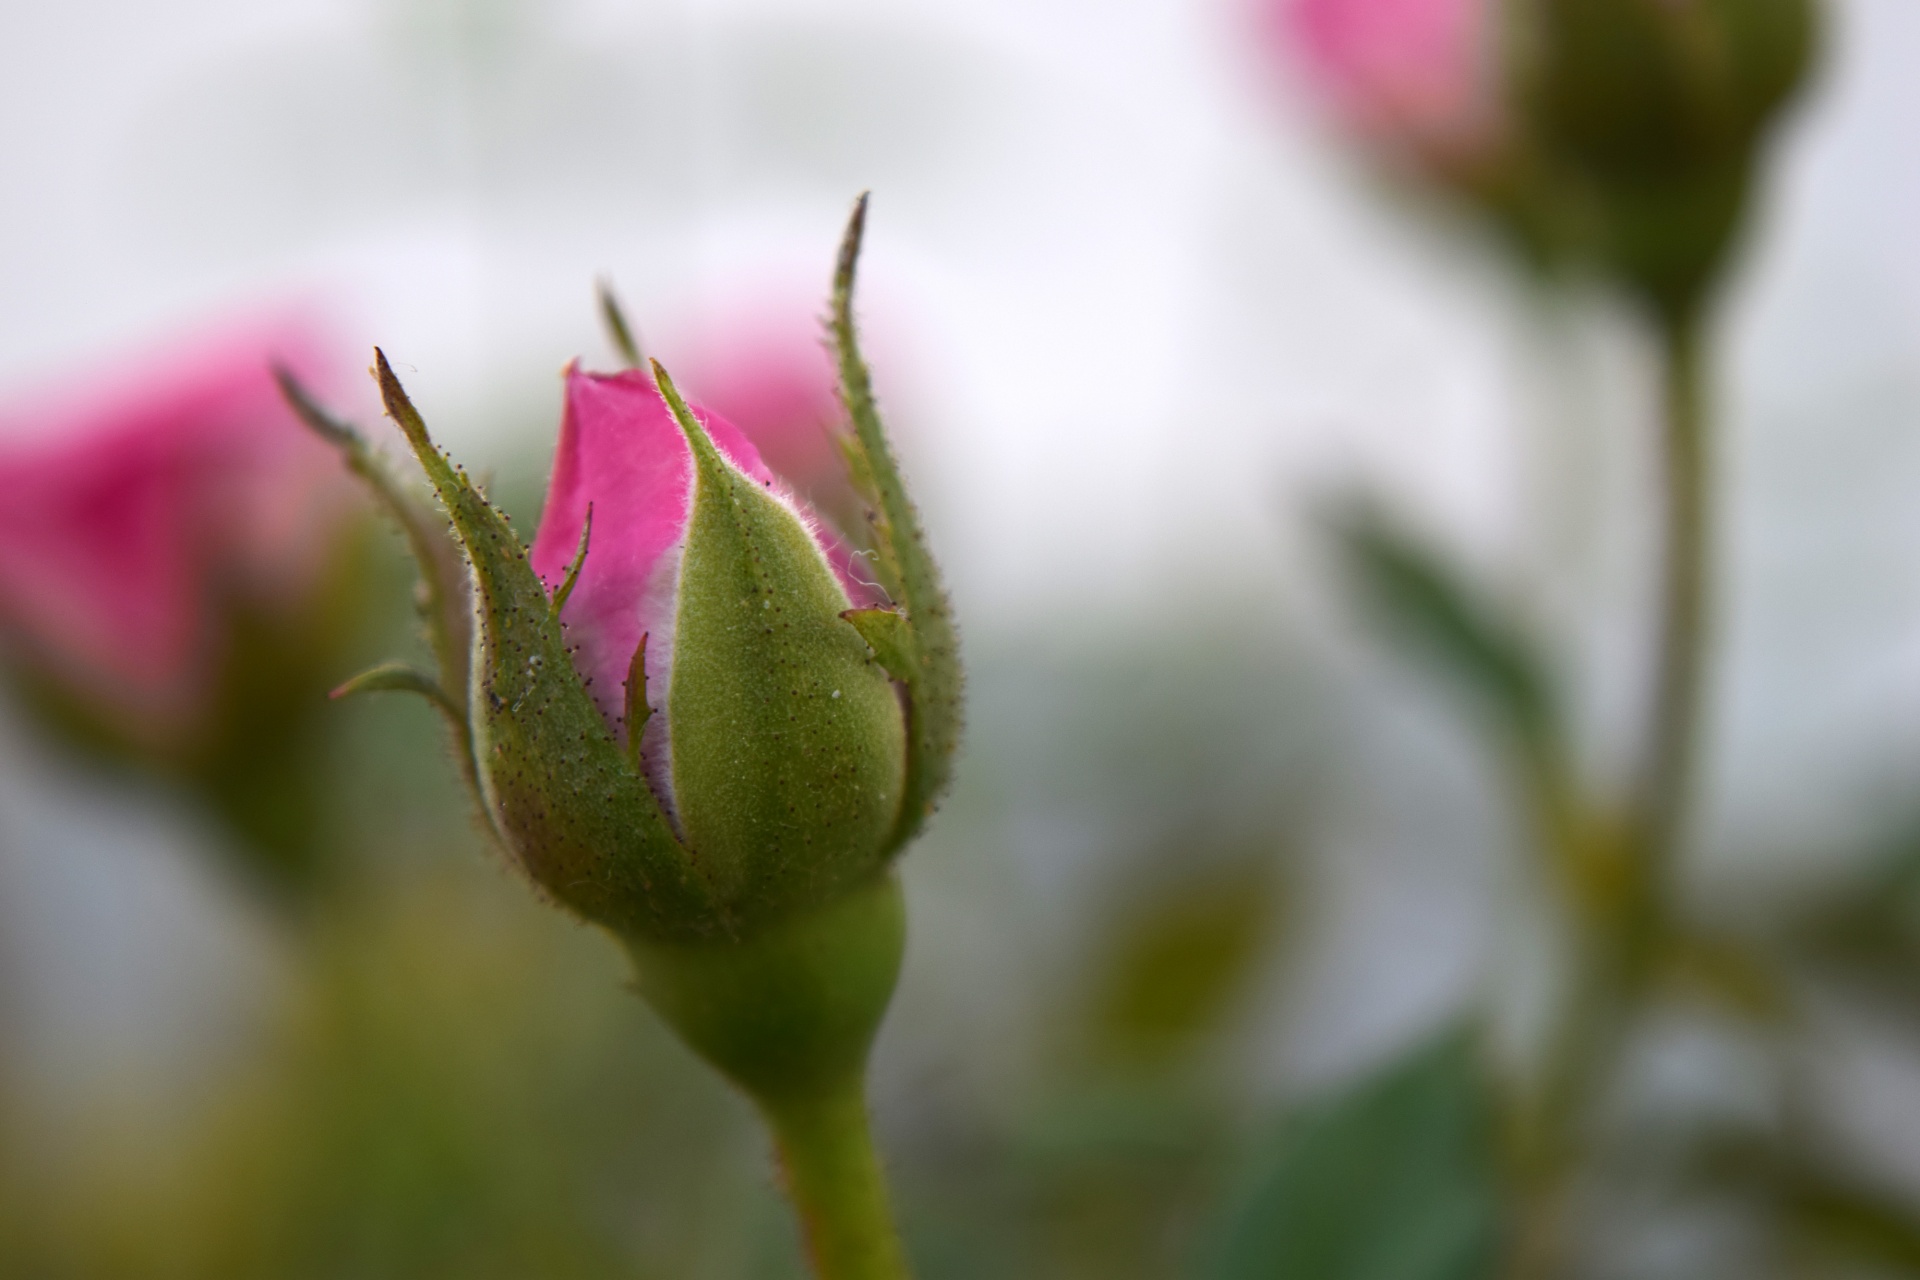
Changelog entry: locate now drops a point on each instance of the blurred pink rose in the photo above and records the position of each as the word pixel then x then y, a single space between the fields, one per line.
pixel 1416 74
pixel 766 369
pixel 135 504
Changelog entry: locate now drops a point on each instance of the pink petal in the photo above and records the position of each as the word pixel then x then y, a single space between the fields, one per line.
pixel 621 451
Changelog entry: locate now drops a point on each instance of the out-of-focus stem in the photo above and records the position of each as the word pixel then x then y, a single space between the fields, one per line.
pixel 1665 783
pixel 1621 876
pixel 837 1186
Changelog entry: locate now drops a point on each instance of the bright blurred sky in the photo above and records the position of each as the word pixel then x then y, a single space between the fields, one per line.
pixel 1138 287
pixel 1138 299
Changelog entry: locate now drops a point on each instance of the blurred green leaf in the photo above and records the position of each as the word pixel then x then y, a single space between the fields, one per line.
pixel 1106 1178
pixel 1423 600
pixel 1391 1178
pixel 1850 1223
pixel 1859 929
pixel 1872 918
pixel 1826 1214
pixel 1176 958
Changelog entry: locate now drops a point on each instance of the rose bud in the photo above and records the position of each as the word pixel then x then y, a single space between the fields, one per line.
pixel 686 711
pixel 690 723
pixel 778 750
pixel 171 557
pixel 1613 133
pixel 1654 110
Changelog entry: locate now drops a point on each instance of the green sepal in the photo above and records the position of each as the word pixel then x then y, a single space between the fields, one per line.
pixel 441 594
pixel 559 788
pixel 907 568
pixel 619 332
pixel 638 709
pixel 891 639
pixel 572 580
pixel 399 677
pixel 788 748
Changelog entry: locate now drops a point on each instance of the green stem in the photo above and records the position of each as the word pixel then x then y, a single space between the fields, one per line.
pixel 837 1186
pixel 788 1014
pixel 1623 913
pixel 1665 783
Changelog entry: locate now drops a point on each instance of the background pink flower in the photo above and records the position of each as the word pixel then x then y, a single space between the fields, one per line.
pixel 134 503
pixel 1417 73
pixel 766 369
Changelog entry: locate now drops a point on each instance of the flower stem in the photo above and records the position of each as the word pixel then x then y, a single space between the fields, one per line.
pixel 834 1178
pixel 788 1014
pixel 1623 904
pixel 1668 765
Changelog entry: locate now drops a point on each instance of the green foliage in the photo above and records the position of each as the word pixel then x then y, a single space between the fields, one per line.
pixel 1823 1215
pixel 1871 922
pixel 399 677
pixel 264 764
pixel 1178 959
pixel 1391 1178
pixel 1839 1220
pixel 890 637
pixel 787 740
pixel 1468 639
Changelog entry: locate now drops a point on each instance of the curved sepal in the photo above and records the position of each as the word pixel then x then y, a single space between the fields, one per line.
pixel 441 594
pixel 934 682
pixel 562 792
pixel 398 677
pixel 891 639
pixel 788 750
pixel 619 332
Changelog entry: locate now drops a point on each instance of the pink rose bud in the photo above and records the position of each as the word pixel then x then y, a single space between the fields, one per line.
pixel 1411 74
pixel 686 710
pixel 131 516
pixel 686 717
pixel 622 455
